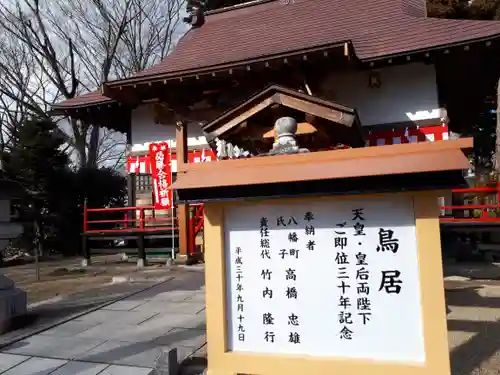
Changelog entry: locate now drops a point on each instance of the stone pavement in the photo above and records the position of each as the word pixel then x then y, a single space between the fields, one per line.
pixel 123 338
pixel 127 336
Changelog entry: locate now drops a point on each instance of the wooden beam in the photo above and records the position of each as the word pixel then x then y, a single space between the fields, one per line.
pixel 182 112
pixel 316 110
pixel 182 209
pixel 131 177
pixel 243 116
pixel 181 137
pixel 125 95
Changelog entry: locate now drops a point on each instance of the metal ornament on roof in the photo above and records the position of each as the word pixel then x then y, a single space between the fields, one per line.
pixel 195 10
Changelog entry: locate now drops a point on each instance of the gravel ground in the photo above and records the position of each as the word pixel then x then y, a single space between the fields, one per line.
pixel 60 277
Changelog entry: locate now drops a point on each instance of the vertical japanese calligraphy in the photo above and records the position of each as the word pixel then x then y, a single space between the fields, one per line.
pixel 290 275
pixel 240 307
pixel 363 304
pixel 324 278
pixel 162 175
pixel 390 280
pixel 343 279
pixel 266 273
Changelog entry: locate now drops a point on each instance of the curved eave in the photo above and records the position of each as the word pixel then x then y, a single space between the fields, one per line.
pixel 61 110
pixel 432 49
pixel 107 114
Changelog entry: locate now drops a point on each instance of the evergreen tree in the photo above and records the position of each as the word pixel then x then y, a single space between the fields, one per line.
pixel 99 188
pixel 36 161
pixel 487 131
pixel 464 9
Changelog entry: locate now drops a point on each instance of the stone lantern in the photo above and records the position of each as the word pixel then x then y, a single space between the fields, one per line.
pixel 13 301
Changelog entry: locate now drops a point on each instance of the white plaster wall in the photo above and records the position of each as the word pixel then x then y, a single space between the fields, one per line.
pixel 145 131
pixel 408 92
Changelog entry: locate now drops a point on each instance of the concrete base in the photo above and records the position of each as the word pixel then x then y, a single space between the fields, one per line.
pixel 86 262
pixel 141 263
pixel 13 302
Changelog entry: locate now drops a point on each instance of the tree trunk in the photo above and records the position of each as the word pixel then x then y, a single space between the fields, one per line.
pixel 80 142
pixel 38 239
pixel 93 147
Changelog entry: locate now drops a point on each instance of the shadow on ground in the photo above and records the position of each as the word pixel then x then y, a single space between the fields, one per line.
pixel 473 312
pixel 184 281
pixel 45 315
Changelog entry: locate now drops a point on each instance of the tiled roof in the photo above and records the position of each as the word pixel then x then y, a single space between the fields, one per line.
pixel 84 100
pixel 376 29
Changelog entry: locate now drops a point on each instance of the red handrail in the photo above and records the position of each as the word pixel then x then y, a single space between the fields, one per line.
pixel 482 189
pixel 484 216
pixel 195 225
pixel 85 216
pixel 142 220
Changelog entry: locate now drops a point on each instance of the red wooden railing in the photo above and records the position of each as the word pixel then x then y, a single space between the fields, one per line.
pixel 141 223
pixel 196 223
pixel 485 209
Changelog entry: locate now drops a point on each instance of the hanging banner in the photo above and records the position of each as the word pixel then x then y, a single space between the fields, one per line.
pixel 161 172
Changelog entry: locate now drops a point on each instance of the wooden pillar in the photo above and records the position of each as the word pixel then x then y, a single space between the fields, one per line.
pixel 182 209
pixel 131 185
pixel 141 249
pixel 131 178
pixel 85 239
pixel 85 250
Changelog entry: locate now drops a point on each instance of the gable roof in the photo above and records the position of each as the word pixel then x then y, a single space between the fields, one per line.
pixel 274 94
pixel 262 30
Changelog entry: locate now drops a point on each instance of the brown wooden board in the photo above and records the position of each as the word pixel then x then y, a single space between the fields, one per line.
pixel 436 165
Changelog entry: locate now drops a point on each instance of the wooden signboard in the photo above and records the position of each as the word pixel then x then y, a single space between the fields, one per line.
pixel 346 284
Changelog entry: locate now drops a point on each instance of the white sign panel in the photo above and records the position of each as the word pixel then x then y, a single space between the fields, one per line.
pixel 325 278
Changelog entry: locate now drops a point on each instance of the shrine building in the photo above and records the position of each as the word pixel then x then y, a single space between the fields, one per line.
pixel 364 73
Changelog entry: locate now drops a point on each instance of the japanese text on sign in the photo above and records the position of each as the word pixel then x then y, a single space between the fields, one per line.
pixel 327 279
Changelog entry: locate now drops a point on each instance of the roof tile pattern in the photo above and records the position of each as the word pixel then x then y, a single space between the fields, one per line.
pixel 376 29
pixel 88 99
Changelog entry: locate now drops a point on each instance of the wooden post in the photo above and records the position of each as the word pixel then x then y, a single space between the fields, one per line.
pixel 141 250
pixel 86 251
pixel 85 239
pixel 182 209
pixel 131 178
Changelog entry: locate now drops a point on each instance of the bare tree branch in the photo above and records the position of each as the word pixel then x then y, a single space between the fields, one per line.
pixel 57 49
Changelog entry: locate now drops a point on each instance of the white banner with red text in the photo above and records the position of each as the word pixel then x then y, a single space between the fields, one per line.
pixel 161 172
